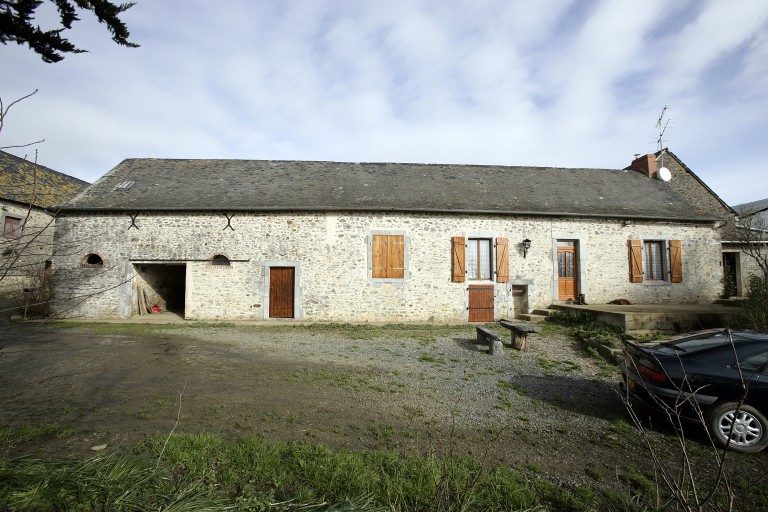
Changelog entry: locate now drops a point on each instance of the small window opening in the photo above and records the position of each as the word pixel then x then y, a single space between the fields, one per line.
pixel 220 260
pixel 93 260
pixel 125 185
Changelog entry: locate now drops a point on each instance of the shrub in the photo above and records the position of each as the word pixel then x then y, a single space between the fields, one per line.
pixel 754 310
pixel 583 326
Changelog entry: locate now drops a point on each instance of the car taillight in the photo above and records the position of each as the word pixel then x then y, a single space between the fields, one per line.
pixel 651 373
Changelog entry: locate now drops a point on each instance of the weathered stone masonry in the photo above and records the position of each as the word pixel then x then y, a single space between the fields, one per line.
pixel 169 257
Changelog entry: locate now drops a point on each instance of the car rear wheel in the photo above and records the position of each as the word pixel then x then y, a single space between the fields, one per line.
pixel 746 427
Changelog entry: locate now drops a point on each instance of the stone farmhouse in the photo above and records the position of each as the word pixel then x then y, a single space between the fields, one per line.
pixel 357 242
pixel 29 194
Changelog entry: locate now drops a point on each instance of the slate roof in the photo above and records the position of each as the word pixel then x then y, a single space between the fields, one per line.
pixel 752 208
pixel 262 185
pixel 24 182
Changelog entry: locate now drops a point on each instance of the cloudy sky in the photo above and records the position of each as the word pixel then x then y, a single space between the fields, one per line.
pixel 572 83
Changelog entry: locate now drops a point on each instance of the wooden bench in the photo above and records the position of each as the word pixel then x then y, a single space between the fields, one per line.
pixel 490 338
pixel 519 333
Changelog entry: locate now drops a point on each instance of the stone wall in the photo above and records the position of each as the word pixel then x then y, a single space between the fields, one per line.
pixel 23 258
pixel 331 257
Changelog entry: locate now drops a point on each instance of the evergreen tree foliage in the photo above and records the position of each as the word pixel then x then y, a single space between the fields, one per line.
pixel 17 25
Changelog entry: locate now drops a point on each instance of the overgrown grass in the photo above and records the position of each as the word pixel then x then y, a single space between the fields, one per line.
pixel 207 472
pixel 583 326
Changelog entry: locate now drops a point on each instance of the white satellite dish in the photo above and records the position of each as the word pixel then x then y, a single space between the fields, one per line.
pixel 664 174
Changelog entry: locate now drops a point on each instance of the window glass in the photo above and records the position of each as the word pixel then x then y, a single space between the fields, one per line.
pixel 478 258
pixel 653 263
pixel 755 363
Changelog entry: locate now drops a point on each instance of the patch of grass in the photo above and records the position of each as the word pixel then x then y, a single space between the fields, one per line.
pixel 116 482
pixel 594 474
pixel 27 432
pixel 549 366
pixel 621 426
pixel 429 358
pixel 640 483
pixel 512 386
pixel 207 472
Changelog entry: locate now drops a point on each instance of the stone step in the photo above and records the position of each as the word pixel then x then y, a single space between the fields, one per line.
pixel 733 302
pixel 532 317
pixel 543 311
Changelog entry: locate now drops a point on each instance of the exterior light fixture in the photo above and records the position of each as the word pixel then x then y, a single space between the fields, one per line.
pixel 526 245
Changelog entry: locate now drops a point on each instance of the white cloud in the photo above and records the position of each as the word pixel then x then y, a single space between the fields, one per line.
pixel 562 83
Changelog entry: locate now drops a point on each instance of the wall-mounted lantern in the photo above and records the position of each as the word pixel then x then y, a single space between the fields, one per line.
pixel 526 245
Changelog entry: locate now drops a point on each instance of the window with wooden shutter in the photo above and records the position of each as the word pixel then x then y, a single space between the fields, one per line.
pixel 675 261
pixel 635 261
pixel 12 227
pixel 458 263
pixel 388 257
pixel 502 260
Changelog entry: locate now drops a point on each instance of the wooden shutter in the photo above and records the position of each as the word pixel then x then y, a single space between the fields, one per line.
pixel 675 261
pixel 379 256
pixel 502 260
pixel 458 266
pixel 396 256
pixel 388 256
pixel 635 261
pixel 12 228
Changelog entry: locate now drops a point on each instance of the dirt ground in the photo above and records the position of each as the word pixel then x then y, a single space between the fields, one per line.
pixel 551 412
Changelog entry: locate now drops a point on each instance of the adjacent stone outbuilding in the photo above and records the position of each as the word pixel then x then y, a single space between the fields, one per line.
pixel 330 241
pixel 29 194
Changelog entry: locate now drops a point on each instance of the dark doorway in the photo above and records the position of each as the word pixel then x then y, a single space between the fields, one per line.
pixel 163 286
pixel 730 275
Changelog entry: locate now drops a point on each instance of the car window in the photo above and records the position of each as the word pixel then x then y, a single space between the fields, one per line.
pixel 693 344
pixel 755 362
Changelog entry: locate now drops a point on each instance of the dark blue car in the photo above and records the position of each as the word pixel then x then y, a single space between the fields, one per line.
pixel 720 376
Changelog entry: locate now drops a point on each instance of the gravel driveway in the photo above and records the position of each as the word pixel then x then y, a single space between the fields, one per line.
pixel 551 410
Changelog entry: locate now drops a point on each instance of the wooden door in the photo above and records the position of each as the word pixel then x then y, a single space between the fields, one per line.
pixel 281 284
pixel 567 285
pixel 481 303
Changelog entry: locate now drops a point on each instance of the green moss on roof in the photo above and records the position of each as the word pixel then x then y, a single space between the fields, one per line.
pixel 25 182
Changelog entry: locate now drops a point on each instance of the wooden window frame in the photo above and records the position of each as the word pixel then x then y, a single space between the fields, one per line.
pixel 13 234
pixel 498 264
pixel 489 262
pixel 650 265
pixel 388 256
pixel 640 256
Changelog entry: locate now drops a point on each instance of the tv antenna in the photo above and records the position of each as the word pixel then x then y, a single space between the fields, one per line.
pixel 661 125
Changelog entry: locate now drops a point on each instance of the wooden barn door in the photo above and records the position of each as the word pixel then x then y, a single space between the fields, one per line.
pixel 481 303
pixel 566 271
pixel 281 284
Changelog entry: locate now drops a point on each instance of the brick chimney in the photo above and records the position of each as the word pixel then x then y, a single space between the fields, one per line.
pixel 645 165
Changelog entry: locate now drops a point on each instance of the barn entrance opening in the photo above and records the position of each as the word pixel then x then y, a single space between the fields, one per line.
pixel 160 286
